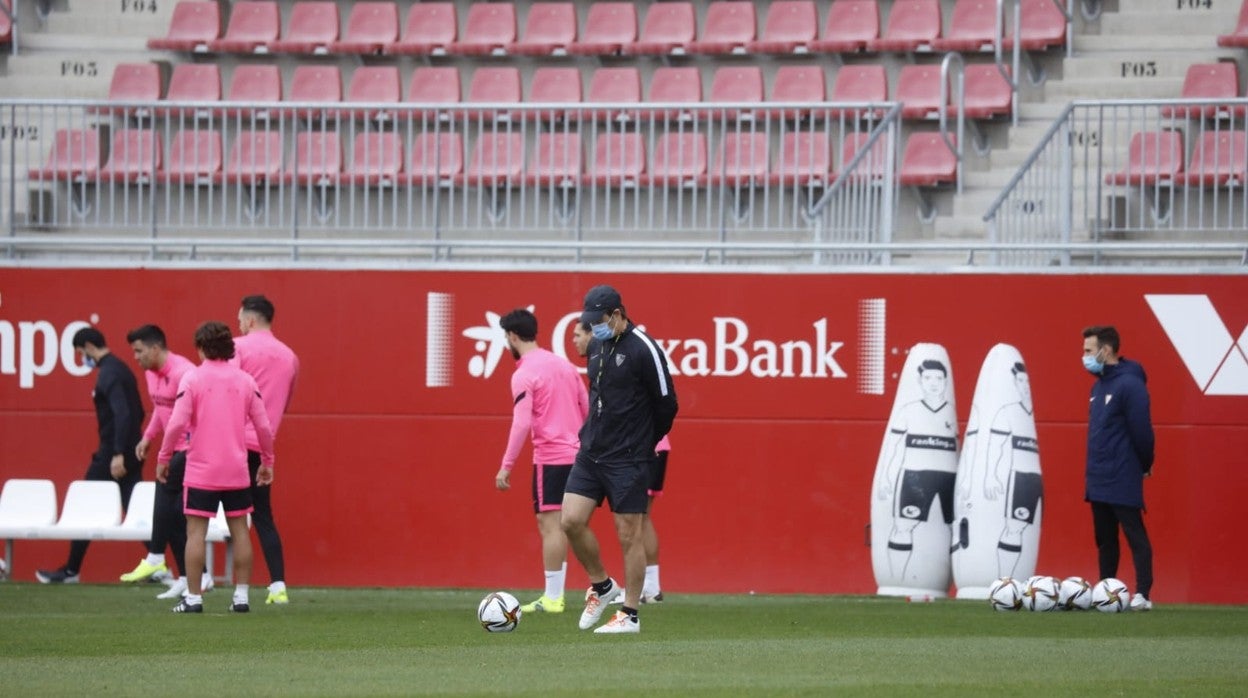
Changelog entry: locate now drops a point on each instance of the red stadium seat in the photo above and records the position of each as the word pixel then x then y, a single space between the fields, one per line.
pixel 497 160
pixel 490 29
pixel 195 157
pixel 6 24
pixel 681 85
pixel 1043 26
pixel 741 160
pixel 253 26
pixel 619 160
pixel 1239 37
pixel 614 85
pixel 609 26
pixel 860 83
pixel 313 27
pixel 973 27
pixel 134 157
pixel 669 28
pixel 317 160
pixel 194 25
pixel 798 83
pixel 371 27
pixel 912 26
pixel 435 85
pixel 375 84
pixel 1220 160
pixel 193 82
pixel 790 27
pixel 376 159
pixel 549 30
pixel 805 159
pixel 918 90
pixel 431 28
pixel 558 161
pixel 987 93
pixel 254 83
pixel 495 84
pixel 927 161
pixel 730 27
pixel 679 160
pixel 437 158
pixel 736 84
pixel 1208 81
pixel 851 24
pixel 1153 158
pixel 134 82
pixel 555 86
pixel 75 155
pixel 255 158
pixel 317 83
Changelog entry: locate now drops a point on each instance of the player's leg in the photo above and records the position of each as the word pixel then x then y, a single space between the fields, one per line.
pixel 627 486
pixel 629 529
pixel 169 501
pixel 651 590
pixel 1132 522
pixel 574 519
pixel 237 505
pixel 199 506
pixel 1105 529
pixel 266 532
pixel 68 573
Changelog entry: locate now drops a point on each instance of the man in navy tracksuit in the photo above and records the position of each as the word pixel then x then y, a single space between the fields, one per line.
pixel 1120 456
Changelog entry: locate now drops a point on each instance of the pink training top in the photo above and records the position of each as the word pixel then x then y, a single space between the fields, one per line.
pixel 218 401
pixel 275 368
pixel 162 387
pixel 663 445
pixel 551 402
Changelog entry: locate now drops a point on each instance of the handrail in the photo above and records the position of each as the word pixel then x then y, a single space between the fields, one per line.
pixel 954 147
pixel 998 40
pixel 890 118
pixel 1027 163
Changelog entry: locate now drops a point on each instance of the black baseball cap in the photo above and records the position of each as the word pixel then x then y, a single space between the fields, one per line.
pixel 600 301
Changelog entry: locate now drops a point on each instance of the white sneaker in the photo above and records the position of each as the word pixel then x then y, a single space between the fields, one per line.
pixel 619 600
pixel 621 622
pixel 1139 603
pixel 175 590
pixel 206 583
pixel 656 597
pixel 595 604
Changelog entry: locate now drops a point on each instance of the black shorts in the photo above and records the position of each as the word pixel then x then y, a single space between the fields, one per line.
pixel 622 484
pixel 177 471
pixel 919 488
pixel 549 482
pixel 197 502
pixel 658 473
pixel 1026 491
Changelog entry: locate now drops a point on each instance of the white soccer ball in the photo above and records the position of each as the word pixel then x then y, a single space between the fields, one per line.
pixel 1005 594
pixel 499 612
pixel 1075 594
pixel 1041 594
pixel 1110 596
pixel 4 570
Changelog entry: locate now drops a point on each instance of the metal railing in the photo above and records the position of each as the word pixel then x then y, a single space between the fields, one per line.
pixel 280 173
pixel 1125 172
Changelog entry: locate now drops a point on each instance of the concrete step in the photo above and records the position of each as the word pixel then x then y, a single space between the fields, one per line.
pixel 1140 65
pixel 1194 7
pixel 35 42
pixel 128 18
pixel 1061 92
pixel 74 75
pixel 1085 44
pixel 960 228
pixel 1172 22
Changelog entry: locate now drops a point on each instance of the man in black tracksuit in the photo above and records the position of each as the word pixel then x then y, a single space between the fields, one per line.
pixel 631 407
pixel 119 415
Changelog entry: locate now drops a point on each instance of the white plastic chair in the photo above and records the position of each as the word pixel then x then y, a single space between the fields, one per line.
pixel 138 523
pixel 26 508
pixel 92 511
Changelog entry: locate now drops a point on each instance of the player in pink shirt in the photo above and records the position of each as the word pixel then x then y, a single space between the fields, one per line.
pixel 216 401
pixel 549 403
pixel 275 368
pixel 163 371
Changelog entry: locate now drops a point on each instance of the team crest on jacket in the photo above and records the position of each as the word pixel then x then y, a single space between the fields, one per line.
pixel 619 359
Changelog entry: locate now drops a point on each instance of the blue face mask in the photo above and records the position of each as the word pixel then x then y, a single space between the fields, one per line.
pixel 602 331
pixel 1093 366
pixel 88 361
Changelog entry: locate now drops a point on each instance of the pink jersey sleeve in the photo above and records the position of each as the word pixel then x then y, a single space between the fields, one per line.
pixel 180 418
pixel 260 422
pixel 521 417
pixel 663 445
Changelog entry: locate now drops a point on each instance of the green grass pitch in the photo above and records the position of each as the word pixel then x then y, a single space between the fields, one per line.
pixel 118 640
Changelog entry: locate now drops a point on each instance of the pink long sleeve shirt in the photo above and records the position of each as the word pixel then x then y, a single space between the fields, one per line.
pixel 217 402
pixel 550 402
pixel 162 388
pixel 275 368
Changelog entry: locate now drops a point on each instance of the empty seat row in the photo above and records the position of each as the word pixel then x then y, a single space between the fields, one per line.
pixel 988 93
pixel 611 28
pixel 498 159
pixel 1157 158
pixel 1211 81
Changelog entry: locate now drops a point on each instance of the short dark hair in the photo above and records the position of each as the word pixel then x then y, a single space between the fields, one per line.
pixel 933 365
pixel 260 305
pixel 522 322
pixel 1018 368
pixel 151 335
pixel 213 338
pixel 585 326
pixel 89 335
pixel 1105 334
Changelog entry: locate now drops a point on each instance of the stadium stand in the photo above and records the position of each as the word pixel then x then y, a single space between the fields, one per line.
pixel 431 27
pixel 790 27
pixel 253 26
pixel 1154 157
pixel 312 28
pixel 851 25
pixel 437 159
pixel 609 27
pixel 371 27
pixel 257 84
pixel 913 25
pixel 1216 81
pixel 489 30
pixel 135 82
pixel 973 27
pixel 550 30
pixel 195 157
pixel 729 28
pixel 254 159
pixel 134 157
pixel 1239 37
pixel 1220 159
pixel 195 25
pixel 669 29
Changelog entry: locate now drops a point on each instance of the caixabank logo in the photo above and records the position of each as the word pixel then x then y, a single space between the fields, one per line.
pixel 1217 359
pixel 729 349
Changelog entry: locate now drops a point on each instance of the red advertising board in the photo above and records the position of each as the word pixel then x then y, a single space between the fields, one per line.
pixel 386 460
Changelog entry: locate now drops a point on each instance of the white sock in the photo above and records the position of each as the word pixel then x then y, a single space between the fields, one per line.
pixel 155 559
pixel 276 587
pixel 206 581
pixel 240 593
pixel 194 599
pixel 651 585
pixel 555 580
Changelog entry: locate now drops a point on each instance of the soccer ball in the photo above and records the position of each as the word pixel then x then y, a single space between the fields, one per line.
pixel 1075 594
pixel 1005 594
pixel 4 570
pixel 1110 596
pixel 499 612
pixel 1041 594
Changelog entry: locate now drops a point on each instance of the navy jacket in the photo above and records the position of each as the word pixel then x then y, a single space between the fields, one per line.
pixel 631 399
pixel 118 411
pixel 1120 436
